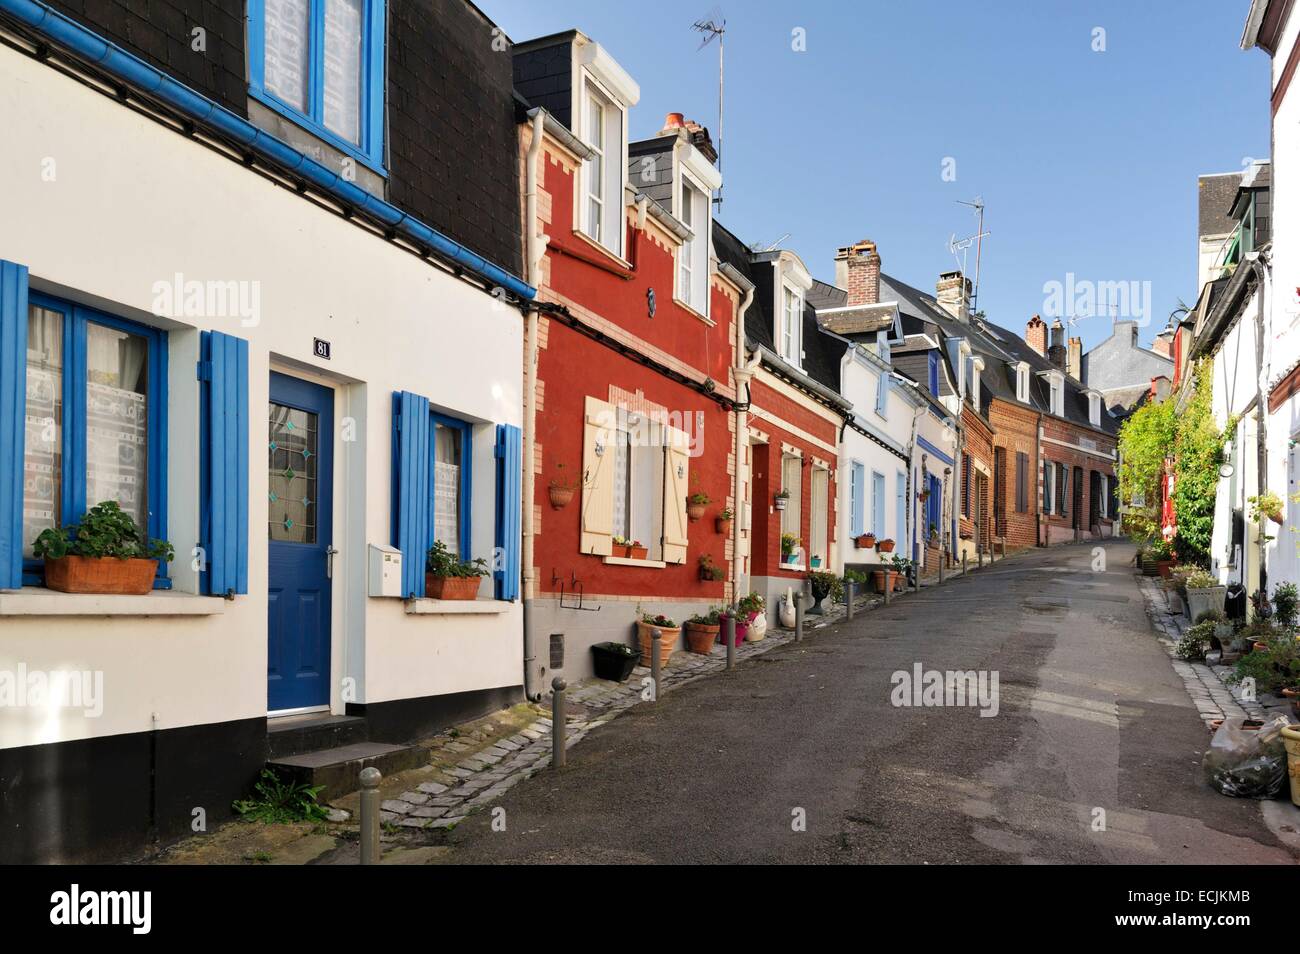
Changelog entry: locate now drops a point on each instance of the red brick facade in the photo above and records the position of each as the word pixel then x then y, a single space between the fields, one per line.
pixel 978 499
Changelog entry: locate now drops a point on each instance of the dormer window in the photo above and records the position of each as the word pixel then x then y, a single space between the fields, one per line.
pixel 1022 382
pixel 602 174
pixel 1057 387
pixel 693 256
pixel 1094 409
pixel 790 337
pixel 976 368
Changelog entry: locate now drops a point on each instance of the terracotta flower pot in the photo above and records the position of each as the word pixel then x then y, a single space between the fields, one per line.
pixel 451 587
pixel 878 579
pixel 700 637
pixel 561 497
pixel 865 541
pixel 667 642
pixel 78 574
pixel 694 511
pixel 886 546
pixel 1163 567
pixel 723 526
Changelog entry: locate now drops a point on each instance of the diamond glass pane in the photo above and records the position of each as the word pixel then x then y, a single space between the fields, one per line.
pixel 291 474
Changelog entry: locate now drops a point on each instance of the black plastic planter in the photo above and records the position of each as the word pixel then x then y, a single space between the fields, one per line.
pixel 612 662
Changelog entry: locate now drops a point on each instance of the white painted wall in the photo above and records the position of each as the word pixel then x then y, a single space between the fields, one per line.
pixel 133 203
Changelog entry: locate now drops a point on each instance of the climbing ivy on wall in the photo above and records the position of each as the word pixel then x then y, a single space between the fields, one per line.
pixel 1198 447
pixel 1146 440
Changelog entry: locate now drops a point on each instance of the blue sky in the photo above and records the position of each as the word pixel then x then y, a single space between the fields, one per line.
pixel 1087 161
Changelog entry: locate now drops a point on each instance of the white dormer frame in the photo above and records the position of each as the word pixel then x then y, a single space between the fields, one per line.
pixel 788 272
pixel 1056 391
pixel 600 80
pixel 977 368
pixel 1022 382
pixel 694 255
pixel 1094 406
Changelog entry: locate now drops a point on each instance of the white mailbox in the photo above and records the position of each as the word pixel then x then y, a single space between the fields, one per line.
pixel 385 570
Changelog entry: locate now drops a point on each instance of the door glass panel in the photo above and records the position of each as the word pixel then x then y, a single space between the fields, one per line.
pixel 43 449
pixel 292 454
pixel 117 367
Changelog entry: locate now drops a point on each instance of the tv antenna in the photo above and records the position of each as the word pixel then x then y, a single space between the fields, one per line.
pixel 955 245
pixel 714 27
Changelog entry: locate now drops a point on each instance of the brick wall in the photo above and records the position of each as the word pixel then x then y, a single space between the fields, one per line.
pixel 979 446
pixel 161 32
pixel 1076 523
pixel 1015 428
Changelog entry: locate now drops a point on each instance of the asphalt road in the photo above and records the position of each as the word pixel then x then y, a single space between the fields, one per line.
pixel 1091 718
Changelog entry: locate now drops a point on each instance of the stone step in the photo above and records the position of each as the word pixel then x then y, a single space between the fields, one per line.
pixel 294 735
pixel 337 768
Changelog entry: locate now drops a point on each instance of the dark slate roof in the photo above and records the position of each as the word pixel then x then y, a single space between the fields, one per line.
pixel 821 352
pixel 1215 195
pixel 650 171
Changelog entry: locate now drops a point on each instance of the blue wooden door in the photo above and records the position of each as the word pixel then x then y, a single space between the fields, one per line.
pixel 299 454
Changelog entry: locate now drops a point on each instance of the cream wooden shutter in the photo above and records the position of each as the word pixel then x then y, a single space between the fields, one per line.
pixel 677 464
pixel 598 478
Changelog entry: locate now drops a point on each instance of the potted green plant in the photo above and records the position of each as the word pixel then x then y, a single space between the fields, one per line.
pixel 751 622
pixel 1286 605
pixel 695 504
pixel 902 569
pixel 824 584
pixel 447 577
pixel 561 488
pixel 702 631
pixel 789 543
pixel 1267 505
pixel 629 549
pixel 105 552
pixel 722 523
pixel 669 633
pixel 1204 594
pixel 614 661
pixel 780 499
pixel 710 571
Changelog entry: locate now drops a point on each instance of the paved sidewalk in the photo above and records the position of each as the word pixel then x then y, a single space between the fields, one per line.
pixel 1213 696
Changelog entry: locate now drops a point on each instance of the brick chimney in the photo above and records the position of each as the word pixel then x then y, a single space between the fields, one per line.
pixel 675 124
pixel 857 271
pixel 952 291
pixel 1036 335
pixel 1056 350
pixel 1074 358
pixel 1164 343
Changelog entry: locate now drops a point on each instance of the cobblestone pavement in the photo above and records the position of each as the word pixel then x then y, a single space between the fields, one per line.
pixel 1213 697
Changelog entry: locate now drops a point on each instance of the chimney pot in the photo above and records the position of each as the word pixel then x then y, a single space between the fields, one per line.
pixel 1036 335
pixel 674 121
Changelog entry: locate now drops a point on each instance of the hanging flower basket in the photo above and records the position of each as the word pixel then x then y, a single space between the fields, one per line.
pixel 561 497
pixel 865 541
pixel 780 500
pixel 886 545
pixel 694 510
pixel 723 526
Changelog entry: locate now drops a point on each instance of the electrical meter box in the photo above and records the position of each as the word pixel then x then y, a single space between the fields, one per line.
pixel 385 570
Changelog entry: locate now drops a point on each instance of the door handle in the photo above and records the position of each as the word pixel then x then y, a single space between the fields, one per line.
pixel 329 561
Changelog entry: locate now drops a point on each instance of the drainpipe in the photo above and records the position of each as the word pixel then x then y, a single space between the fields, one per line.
pixel 743 372
pixel 1044 521
pixel 1261 411
pixel 535 247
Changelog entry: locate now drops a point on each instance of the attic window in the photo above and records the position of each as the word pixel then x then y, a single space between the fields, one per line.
pixel 602 174
pixel 976 368
pixel 1094 409
pixel 1058 395
pixel 1022 383
pixel 693 256
pixel 791 326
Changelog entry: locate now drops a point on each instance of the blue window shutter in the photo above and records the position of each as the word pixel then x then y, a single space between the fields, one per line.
pixel 223 466
pixel 13 412
pixel 412 432
pixel 509 460
pixel 934 374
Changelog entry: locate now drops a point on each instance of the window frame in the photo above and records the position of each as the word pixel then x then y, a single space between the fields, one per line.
pixel 1049 487
pixel 857 502
pixel 791 321
pixel 72 490
pixel 466 430
pixel 697 247
pixel 611 218
pixel 370 150
pixel 1022 382
pixel 794 503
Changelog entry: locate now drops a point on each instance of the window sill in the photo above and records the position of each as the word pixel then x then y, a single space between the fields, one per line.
pixel 423 606
pixel 38 601
pixel 625 561
pixel 694 312
pixel 604 250
pixel 791 566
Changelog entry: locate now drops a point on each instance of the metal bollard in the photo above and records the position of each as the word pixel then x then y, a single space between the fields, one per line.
pixel 798 616
pixel 941 562
pixel 729 637
pixel 656 640
pixel 848 595
pixel 889 585
pixel 559 723
pixel 979 551
pixel 370 779
pixel 964 554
